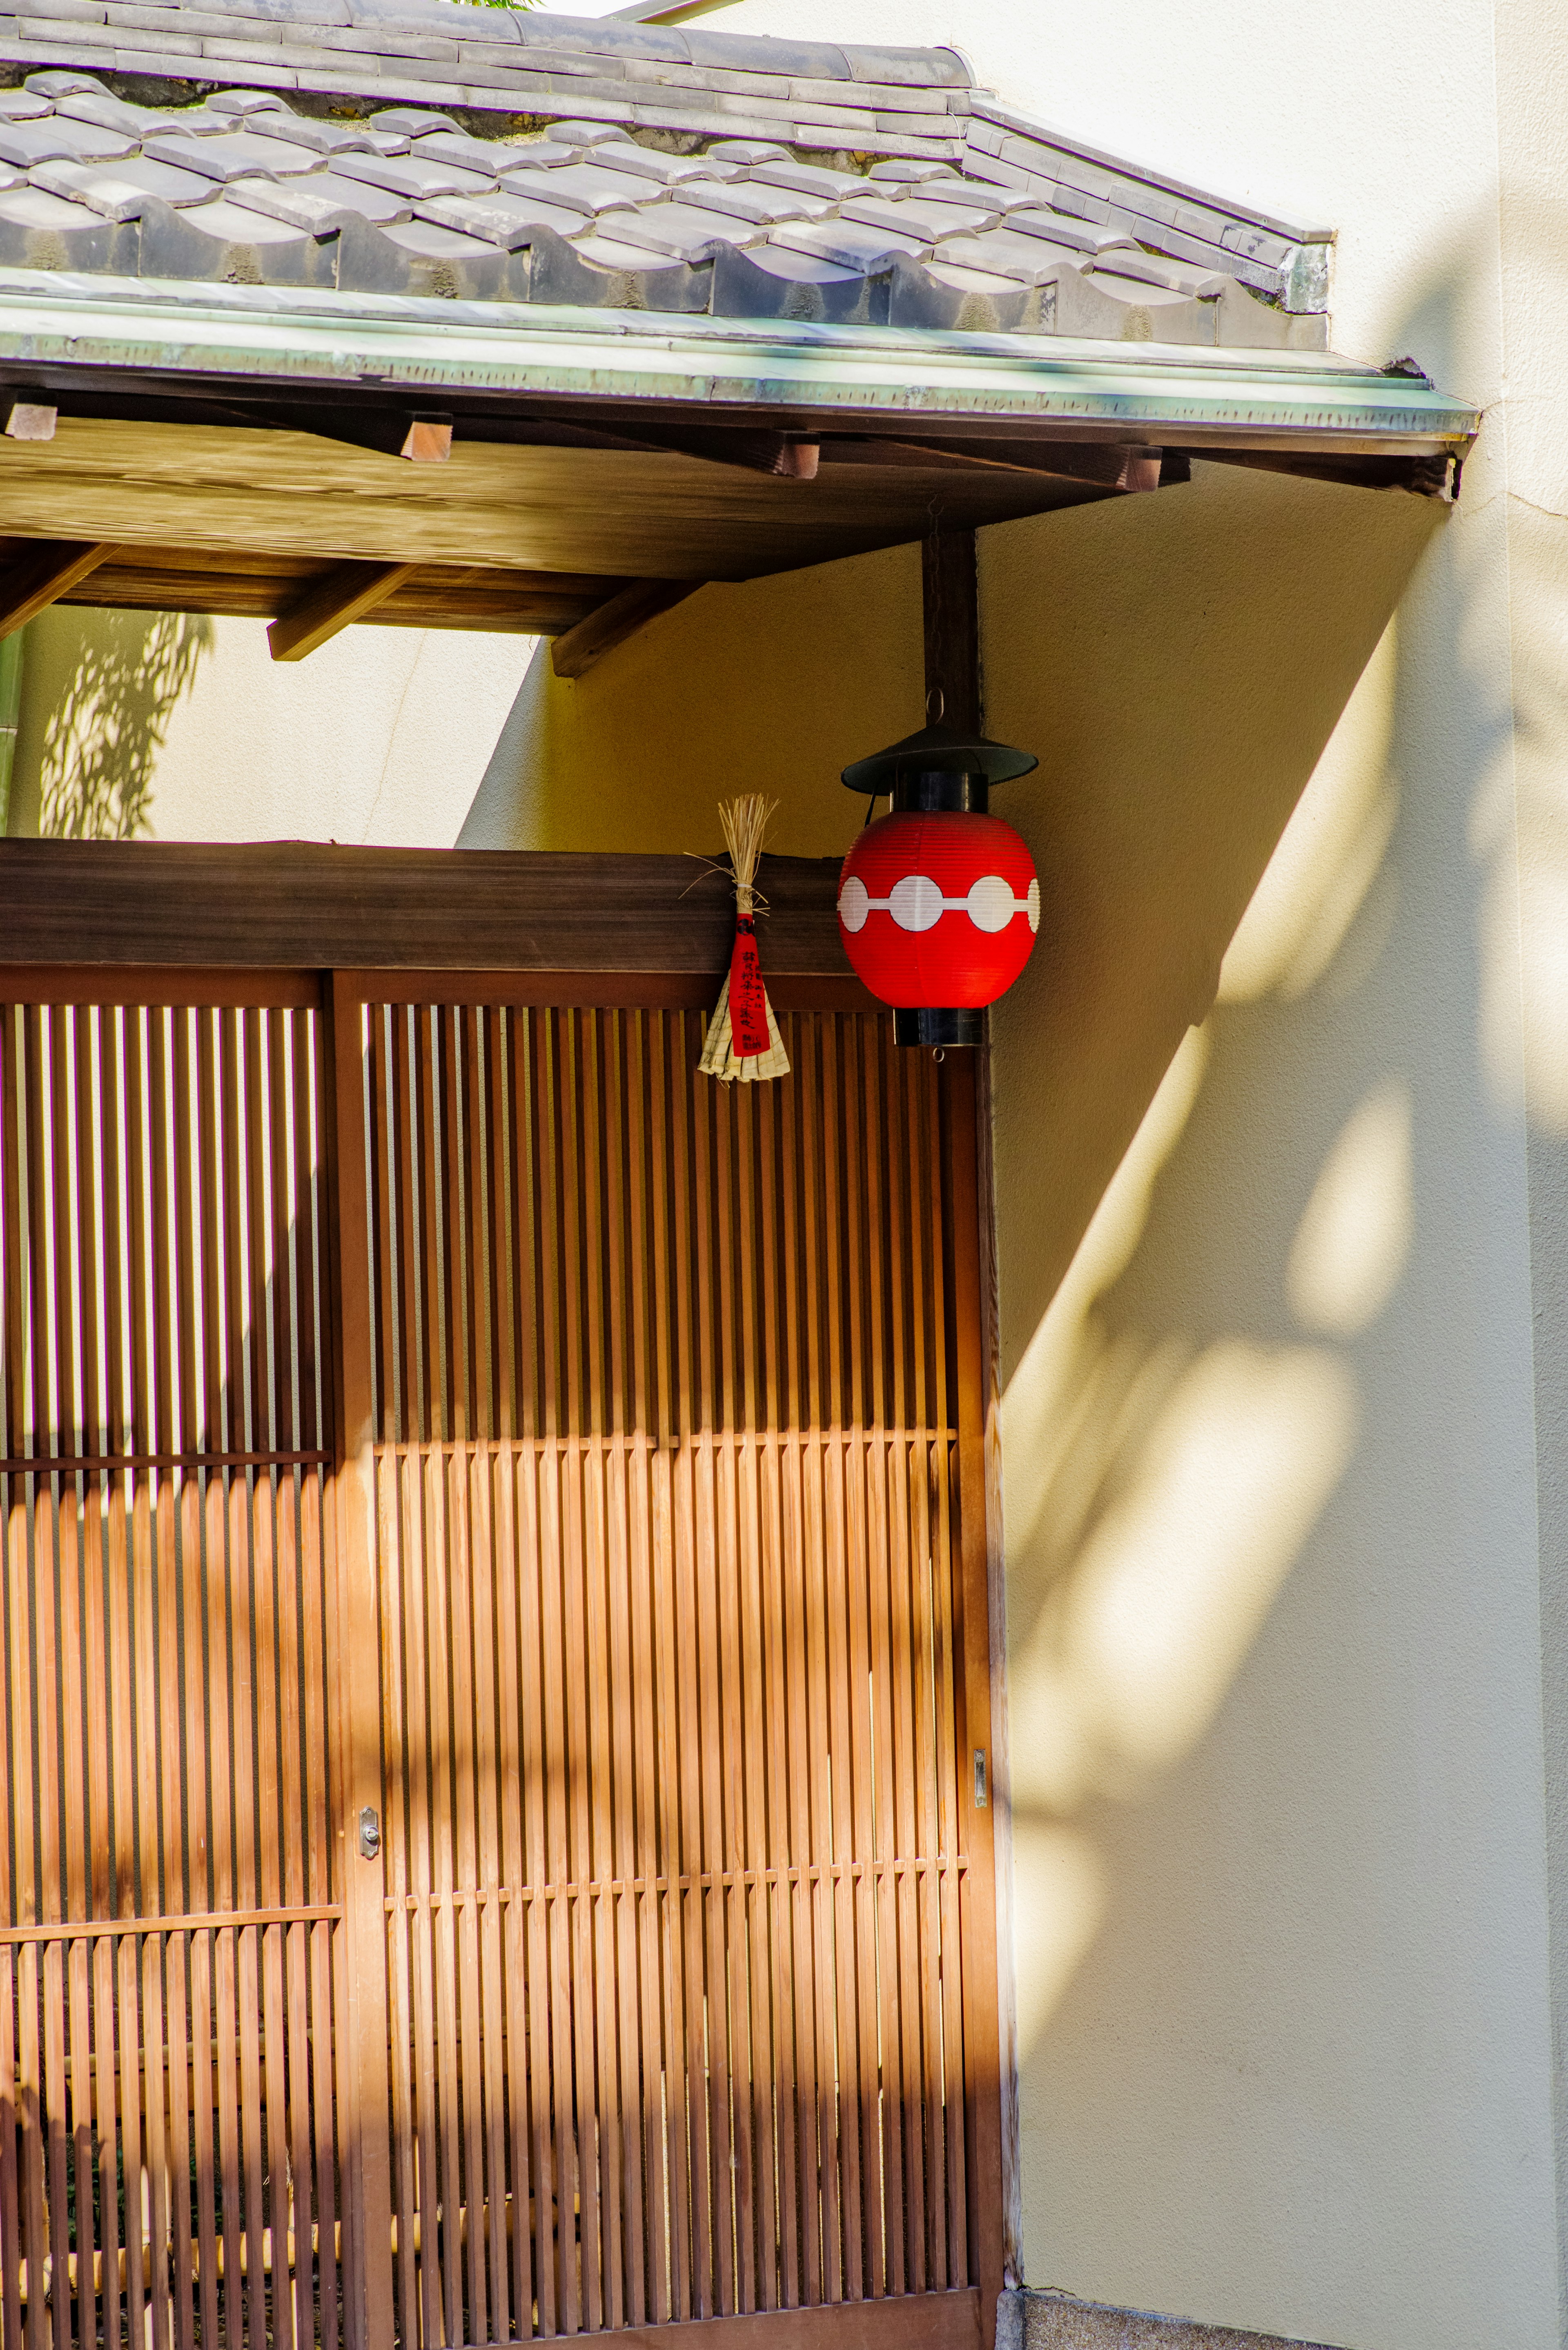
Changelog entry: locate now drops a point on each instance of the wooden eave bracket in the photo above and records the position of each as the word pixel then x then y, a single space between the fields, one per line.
pixel 44 576
pixel 1110 465
pixel 428 441
pixel 613 621
pixel 348 594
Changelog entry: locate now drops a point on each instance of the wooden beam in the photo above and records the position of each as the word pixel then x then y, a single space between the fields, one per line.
pixel 574 654
pixel 950 604
pixel 344 596
pixel 42 578
pixel 1110 465
pixel 304 906
pixel 347 594
pixel 258 583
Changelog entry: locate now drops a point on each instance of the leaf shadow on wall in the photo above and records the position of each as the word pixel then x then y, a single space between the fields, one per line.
pixel 1217 1202
pixel 108 717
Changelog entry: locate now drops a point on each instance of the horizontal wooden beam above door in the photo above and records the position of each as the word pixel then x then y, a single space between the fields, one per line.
pixel 297 905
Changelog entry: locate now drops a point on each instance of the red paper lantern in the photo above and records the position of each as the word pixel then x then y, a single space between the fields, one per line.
pixel 939 904
pixel 939 909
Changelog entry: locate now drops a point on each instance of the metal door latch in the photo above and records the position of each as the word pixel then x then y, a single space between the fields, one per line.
pixel 979 1787
pixel 370 1833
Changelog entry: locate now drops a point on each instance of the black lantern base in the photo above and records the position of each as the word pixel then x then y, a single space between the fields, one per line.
pixel 932 1026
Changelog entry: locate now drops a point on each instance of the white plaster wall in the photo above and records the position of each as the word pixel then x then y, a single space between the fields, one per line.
pixel 383 736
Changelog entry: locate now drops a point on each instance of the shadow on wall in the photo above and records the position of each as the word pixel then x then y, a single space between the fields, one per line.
pixel 98 692
pixel 1253 1380
pixel 1174 1429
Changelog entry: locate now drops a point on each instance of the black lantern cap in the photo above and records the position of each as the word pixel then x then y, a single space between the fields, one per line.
pixel 940 767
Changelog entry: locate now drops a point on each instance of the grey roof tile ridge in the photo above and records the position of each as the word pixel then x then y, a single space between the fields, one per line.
pixel 985 104
pixel 663 330
pixel 935 68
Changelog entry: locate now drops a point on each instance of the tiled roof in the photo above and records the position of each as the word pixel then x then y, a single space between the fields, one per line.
pixel 430 147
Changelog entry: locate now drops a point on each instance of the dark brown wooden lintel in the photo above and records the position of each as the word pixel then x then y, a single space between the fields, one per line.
pixel 297 905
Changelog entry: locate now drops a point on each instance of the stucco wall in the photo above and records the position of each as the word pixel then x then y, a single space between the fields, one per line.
pixel 176 727
pixel 771 687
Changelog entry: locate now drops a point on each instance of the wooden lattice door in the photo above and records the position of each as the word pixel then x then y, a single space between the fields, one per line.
pixel 690 1975
pixel 494 1673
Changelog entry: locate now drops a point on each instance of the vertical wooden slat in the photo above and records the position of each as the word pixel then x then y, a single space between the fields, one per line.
pixel 489 1925
pixel 568 2155
pixel 719 1690
pixel 452 1656
pixel 757 1486
pixel 549 2206
pixel 859 1410
pixel 703 2154
pixel 896 1066
pixel 515 1948
pixel 13 2120
pixel 363 2104
pixel 388 1208
pixel 647 1436
pixel 924 1783
pixel 673 1760
pixel 130 2089
pixel 624 1469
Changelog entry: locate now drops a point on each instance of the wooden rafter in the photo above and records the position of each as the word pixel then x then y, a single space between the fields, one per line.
pixel 428 441
pixel 345 595
pixel 260 584
pixel 42 577
pixel 574 654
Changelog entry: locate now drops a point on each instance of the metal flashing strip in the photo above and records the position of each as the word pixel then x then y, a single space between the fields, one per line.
pixel 825 375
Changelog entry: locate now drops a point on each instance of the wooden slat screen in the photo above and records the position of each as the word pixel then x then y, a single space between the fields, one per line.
pixel 665 1498
pixel 168 1916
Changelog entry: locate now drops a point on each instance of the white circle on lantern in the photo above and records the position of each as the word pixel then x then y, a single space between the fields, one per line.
pixel 854 903
pixel 1033 907
pixel 915 902
pixel 989 903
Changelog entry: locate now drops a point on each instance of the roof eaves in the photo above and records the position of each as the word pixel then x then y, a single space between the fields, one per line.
pixel 835 377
